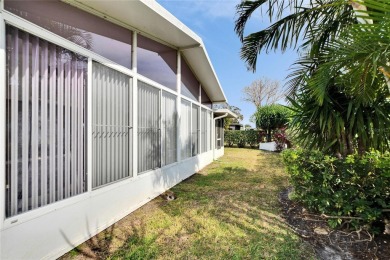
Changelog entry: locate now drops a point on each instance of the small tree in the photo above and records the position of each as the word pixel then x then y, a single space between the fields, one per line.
pixel 248 126
pixel 271 117
pixel 263 92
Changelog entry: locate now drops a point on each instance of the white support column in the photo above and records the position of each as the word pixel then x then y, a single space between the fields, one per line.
pixel 2 120
pixel 200 94
pixel 135 106
pixel 200 121
pixel 160 127
pixel 191 129
pixel 213 134
pixel 89 126
pixel 178 107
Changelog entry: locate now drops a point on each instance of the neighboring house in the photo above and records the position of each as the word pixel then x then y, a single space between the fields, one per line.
pixel 236 126
pixel 219 115
pixel 104 106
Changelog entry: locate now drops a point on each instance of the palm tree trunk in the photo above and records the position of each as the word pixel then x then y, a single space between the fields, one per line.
pixel 386 73
pixel 344 140
pixel 269 137
pixel 350 144
pixel 361 147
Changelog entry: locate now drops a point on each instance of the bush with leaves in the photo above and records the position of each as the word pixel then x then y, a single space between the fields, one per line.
pixel 272 117
pixel 340 124
pixel 281 139
pixel 241 138
pixel 354 190
pixel 229 137
pixel 253 138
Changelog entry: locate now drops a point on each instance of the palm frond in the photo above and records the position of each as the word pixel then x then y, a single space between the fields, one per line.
pixel 244 11
pixel 274 8
pixel 355 58
pixel 284 33
pixel 318 23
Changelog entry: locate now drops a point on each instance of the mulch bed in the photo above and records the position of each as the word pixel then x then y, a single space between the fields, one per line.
pixel 328 243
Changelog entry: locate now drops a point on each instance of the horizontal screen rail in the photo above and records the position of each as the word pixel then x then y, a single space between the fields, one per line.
pixel 124 126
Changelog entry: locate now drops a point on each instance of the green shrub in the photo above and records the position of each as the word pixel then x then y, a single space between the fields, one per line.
pixel 272 117
pixel 357 186
pixel 241 138
pixel 229 137
pixel 252 138
pixel 281 139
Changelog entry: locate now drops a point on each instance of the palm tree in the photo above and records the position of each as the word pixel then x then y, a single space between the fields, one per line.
pixel 343 103
pixel 314 23
pixel 338 86
pixel 360 57
pixel 341 125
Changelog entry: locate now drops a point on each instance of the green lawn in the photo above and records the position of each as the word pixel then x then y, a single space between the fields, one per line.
pixel 227 211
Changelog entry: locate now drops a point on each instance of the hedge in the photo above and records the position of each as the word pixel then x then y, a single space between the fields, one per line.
pixel 354 190
pixel 242 138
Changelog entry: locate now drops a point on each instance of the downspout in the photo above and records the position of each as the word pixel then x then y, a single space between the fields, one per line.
pixel 215 119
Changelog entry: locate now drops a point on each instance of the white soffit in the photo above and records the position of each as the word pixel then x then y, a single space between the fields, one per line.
pixel 151 19
pixel 223 111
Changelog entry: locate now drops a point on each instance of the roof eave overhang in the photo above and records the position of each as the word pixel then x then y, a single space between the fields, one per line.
pixel 223 111
pixel 131 14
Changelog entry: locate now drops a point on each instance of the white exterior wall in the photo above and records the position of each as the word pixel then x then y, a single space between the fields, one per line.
pixel 219 152
pixel 52 230
pixel 270 146
pixel 57 231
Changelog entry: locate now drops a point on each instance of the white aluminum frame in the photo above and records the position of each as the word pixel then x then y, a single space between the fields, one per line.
pixel 11 19
pixel 173 173
pixel 89 126
pixel 3 140
pixel 178 108
pixel 134 89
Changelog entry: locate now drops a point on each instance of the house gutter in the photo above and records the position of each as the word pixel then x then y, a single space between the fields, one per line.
pixel 215 119
pixel 221 117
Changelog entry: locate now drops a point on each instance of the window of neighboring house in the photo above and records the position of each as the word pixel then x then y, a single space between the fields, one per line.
pixel 111 125
pixel 149 128
pixel 46 122
pixel 84 29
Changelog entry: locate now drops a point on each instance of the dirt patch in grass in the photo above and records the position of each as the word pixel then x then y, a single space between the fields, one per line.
pixel 229 210
pixel 333 244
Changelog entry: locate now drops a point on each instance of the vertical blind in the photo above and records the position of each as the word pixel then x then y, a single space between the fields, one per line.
pixel 168 129
pixel 206 130
pixel 149 131
pixel 195 130
pixel 111 125
pixel 209 128
pixel 185 129
pixel 45 101
pixel 46 124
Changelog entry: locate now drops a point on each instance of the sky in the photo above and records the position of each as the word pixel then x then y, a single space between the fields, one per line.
pixel 213 21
